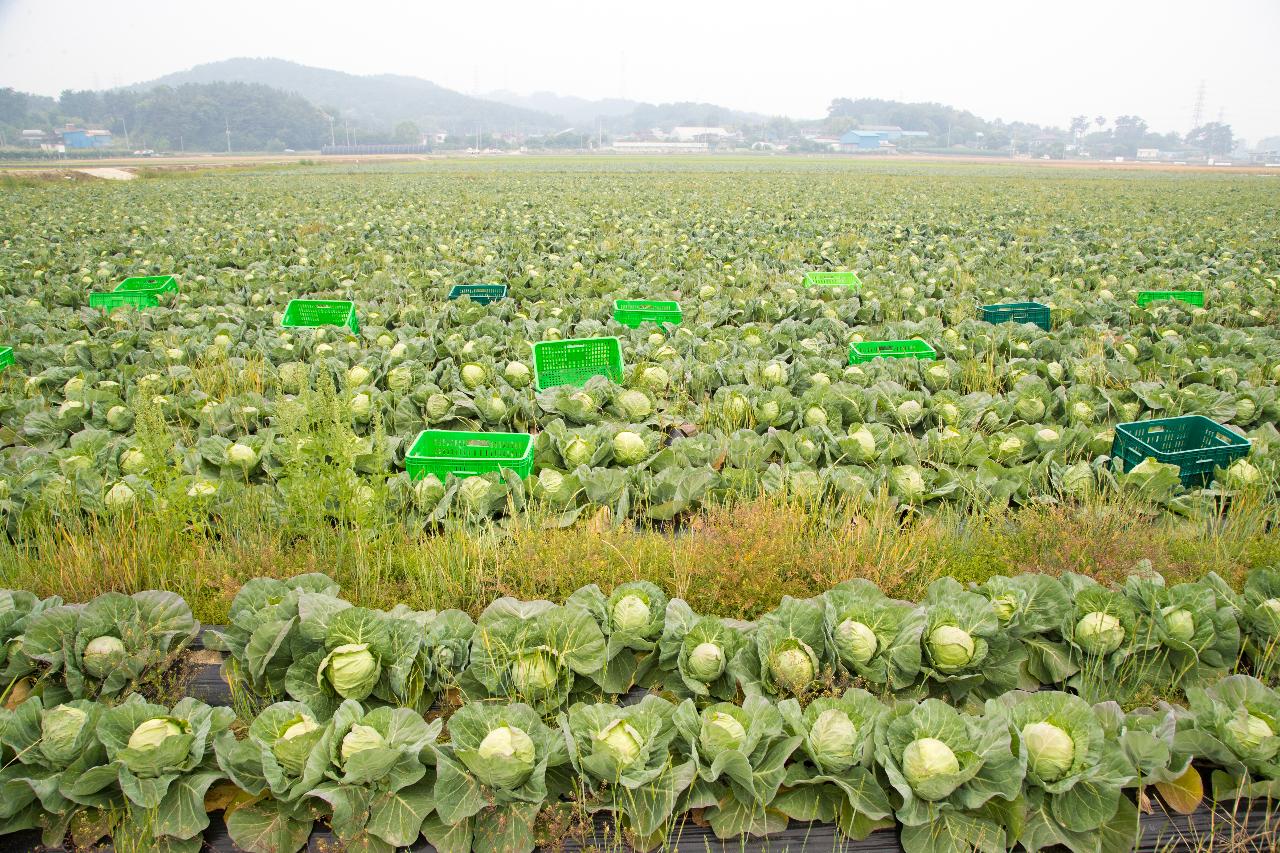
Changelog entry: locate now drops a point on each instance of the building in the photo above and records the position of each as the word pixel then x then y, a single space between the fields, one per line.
pixel 864 140
pixel 658 146
pixel 876 137
pixel 79 138
pixel 700 134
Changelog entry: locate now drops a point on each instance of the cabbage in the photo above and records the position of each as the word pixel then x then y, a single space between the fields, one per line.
pixel 721 731
pixel 1050 750
pixel 631 613
pixel 909 412
pixel 120 496
pixel 927 758
pixel 833 738
pixel 151 733
pixel 654 378
pixel 361 405
pixel 1099 633
pixel 1242 474
pixel 473 375
pixel 629 448
pixel 865 442
pixel 400 378
pixel 1180 623
pixel 815 416
pixel 292 748
pixel 133 461
pixel 241 455
pixel 578 452
pixel 792 668
pixel 357 375
pixel 1249 733
pixel 102 655
pixel 507 757
pixel 119 418
pixel 706 662
pixel 60 729
pixel 774 373
pixel 534 674
pixel 950 648
pixel 620 740
pixel 635 405
pixel 908 481
pixel 517 374
pixel 857 642
pixel 352 670
pixel 359 739
pixel 438 405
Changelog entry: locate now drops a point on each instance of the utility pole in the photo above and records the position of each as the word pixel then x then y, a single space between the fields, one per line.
pixel 1197 112
pixel 125 122
pixel 227 124
pixel 477 137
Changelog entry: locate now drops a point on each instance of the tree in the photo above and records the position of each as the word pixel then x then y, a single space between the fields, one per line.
pixel 1101 122
pixel 1214 138
pixel 1079 124
pixel 407 133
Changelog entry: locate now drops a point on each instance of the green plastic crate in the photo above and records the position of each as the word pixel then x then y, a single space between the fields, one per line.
pixel 6 357
pixel 482 293
pixel 573 362
pixel 1191 297
pixel 633 312
pixel 865 351
pixel 310 313
pixel 1194 443
pixel 141 291
pixel 465 454
pixel 1017 312
pixel 832 279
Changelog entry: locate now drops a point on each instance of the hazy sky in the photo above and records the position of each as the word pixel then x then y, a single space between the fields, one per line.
pixel 1026 60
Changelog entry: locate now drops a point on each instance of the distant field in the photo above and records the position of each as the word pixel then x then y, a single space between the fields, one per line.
pixel 193 445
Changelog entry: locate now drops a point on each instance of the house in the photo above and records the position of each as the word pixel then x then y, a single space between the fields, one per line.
pixel 78 137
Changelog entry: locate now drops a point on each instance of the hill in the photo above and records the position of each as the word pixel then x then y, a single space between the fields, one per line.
pixel 619 115
pixel 379 101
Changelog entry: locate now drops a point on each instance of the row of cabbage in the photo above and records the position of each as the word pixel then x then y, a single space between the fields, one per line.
pixel 1008 415
pixel 1034 769
pixel 298 639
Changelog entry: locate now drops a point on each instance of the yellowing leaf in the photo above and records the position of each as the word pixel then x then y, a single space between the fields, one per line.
pixel 1185 793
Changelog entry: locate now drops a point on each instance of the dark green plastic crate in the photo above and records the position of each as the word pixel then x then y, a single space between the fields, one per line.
pixel 832 279
pixel 865 351
pixel 6 357
pixel 482 293
pixel 465 454
pixel 1194 443
pixel 140 291
pixel 1191 297
pixel 311 313
pixel 573 362
pixel 1017 312
pixel 633 312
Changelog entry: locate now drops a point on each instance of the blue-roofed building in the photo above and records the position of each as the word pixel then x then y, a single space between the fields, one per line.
pixel 78 137
pixel 875 138
pixel 862 140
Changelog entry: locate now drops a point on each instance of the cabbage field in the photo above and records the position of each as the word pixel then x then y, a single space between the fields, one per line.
pixel 748 580
pixel 198 401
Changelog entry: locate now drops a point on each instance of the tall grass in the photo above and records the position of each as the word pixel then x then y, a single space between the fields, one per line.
pixel 736 560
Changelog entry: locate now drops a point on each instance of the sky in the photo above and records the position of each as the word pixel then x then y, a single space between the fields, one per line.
pixel 1028 61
